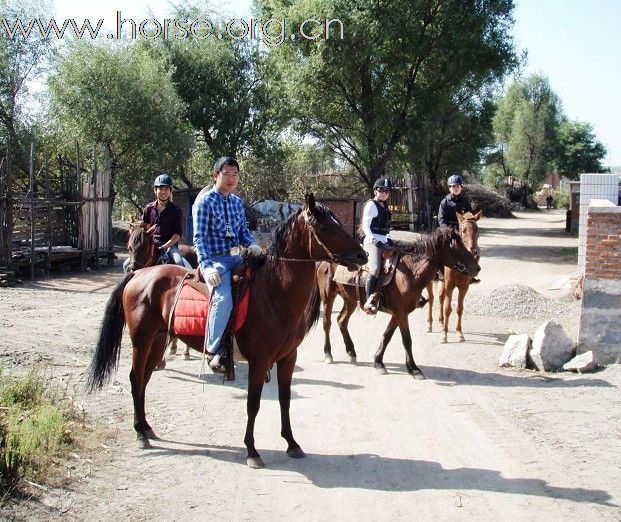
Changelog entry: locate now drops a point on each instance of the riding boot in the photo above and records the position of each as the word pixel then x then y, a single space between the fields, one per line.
pixel 370 287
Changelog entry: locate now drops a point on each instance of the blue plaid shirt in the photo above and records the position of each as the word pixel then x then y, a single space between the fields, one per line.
pixel 210 214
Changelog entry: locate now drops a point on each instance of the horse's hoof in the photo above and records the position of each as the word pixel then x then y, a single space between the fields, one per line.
pixel 418 376
pixel 296 453
pixel 328 359
pixel 150 434
pixel 353 359
pixel 443 339
pixel 160 366
pixel 255 462
pixel 381 370
pixel 186 357
pixel 429 329
pixel 461 338
pixel 143 442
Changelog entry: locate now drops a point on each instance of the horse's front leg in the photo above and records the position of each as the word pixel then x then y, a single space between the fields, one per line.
pixel 285 372
pixel 378 359
pixel 328 303
pixel 413 370
pixel 430 298
pixel 256 377
pixel 447 301
pixel 461 295
pixel 343 319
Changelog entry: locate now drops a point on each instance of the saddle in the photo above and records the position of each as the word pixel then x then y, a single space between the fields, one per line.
pixel 190 310
pixel 358 279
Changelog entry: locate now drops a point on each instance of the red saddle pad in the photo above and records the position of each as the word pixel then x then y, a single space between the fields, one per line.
pixel 192 310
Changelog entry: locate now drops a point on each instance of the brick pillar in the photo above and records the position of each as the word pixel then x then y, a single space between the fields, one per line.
pixel 600 317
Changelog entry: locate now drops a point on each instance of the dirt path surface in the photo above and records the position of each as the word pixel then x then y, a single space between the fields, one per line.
pixel 472 442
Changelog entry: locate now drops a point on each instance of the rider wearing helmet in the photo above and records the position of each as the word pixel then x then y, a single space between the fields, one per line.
pixel 453 203
pixel 376 228
pixel 165 219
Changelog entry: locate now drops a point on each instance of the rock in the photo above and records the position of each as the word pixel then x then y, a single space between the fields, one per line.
pixel 584 362
pixel 551 347
pixel 515 352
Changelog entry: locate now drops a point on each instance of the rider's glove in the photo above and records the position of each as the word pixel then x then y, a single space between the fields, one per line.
pixel 212 277
pixel 255 250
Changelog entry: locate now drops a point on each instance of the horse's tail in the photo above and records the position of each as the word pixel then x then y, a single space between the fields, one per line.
pixel 108 349
pixel 311 314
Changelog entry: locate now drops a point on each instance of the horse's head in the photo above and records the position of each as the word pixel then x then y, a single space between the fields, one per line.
pixel 451 252
pixel 316 233
pixel 469 231
pixel 140 246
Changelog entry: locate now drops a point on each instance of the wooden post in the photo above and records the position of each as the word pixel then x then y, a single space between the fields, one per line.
pixel 80 193
pixel 410 200
pixel 95 205
pixel 32 213
pixel 48 214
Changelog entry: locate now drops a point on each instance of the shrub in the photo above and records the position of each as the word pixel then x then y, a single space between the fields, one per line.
pixel 33 428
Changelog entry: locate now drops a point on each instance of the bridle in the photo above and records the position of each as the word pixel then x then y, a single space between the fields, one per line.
pixel 149 261
pixel 332 257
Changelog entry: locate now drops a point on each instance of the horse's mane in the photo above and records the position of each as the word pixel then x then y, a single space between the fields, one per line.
pixel 281 238
pixel 428 243
pixel 282 234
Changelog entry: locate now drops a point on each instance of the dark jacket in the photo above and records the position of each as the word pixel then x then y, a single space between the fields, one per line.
pixel 169 221
pixel 380 224
pixel 449 207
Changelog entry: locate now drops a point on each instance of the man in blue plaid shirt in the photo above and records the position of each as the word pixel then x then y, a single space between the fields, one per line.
pixel 219 229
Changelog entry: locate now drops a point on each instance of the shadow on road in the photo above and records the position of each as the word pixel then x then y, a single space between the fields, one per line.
pixel 374 472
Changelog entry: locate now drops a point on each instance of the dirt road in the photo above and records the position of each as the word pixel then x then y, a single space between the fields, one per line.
pixel 473 442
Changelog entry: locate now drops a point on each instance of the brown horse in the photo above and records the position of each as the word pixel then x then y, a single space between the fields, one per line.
pixel 469 232
pixel 283 306
pixel 415 268
pixel 143 250
pixel 143 254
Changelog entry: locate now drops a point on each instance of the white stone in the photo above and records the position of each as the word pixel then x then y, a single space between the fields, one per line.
pixel 584 362
pixel 551 347
pixel 515 352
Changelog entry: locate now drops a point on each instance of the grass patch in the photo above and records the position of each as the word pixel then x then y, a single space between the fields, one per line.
pixel 34 428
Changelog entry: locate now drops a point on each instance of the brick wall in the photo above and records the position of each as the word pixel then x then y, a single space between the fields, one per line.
pixel 345 210
pixel 600 327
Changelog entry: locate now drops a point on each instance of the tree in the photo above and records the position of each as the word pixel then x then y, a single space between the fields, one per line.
pixel 22 59
pixel 225 88
pixel 360 95
pixel 578 150
pixel 525 125
pixel 122 98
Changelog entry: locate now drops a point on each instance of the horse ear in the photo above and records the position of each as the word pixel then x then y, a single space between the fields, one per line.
pixel 478 215
pixel 310 202
pixel 460 217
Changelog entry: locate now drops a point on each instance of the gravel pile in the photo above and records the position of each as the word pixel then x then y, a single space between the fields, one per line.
pixel 519 301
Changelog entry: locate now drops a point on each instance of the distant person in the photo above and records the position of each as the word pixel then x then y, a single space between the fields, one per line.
pixel 376 227
pixel 549 202
pixel 164 220
pixel 455 202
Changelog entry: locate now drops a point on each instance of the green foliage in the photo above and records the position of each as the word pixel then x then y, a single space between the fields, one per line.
pixel 578 150
pixel 361 95
pixel 124 99
pixel 33 428
pixel 525 125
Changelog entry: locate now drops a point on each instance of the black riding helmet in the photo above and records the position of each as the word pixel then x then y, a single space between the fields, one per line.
pixel 382 183
pixel 455 180
pixel 163 180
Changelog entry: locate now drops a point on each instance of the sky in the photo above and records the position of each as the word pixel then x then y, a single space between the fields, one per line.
pixel 576 44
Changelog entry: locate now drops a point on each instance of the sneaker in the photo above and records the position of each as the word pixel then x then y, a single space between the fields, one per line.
pixel 214 360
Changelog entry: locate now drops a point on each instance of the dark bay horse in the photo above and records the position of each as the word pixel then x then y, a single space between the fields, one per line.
pixel 453 279
pixel 414 270
pixel 284 304
pixel 143 254
pixel 143 250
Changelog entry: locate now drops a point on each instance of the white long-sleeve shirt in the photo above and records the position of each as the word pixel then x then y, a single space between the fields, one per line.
pixel 368 214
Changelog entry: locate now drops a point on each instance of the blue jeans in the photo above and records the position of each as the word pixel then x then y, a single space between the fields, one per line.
pixel 221 301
